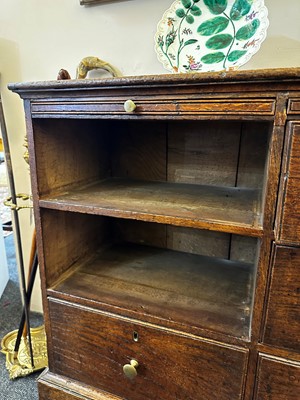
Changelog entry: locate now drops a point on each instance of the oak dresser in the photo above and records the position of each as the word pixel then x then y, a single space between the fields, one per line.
pixel 167 211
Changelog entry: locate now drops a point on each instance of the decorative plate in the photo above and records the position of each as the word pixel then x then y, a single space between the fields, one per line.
pixel 210 35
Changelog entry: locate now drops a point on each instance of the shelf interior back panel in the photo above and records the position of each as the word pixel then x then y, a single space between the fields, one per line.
pixel 201 291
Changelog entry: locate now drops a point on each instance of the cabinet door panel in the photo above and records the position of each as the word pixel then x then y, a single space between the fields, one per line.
pixel 92 348
pixel 282 325
pixel 289 226
pixel 277 380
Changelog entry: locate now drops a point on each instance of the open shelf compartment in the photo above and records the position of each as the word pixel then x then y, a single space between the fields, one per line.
pixel 203 174
pixel 181 276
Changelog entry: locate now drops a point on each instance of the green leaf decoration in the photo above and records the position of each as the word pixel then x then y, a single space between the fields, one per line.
pixel 189 19
pixel 213 58
pixel 186 3
pixel 236 54
pixel 216 6
pixel 219 41
pixel 190 41
pixel 239 9
pixel 195 10
pixel 196 1
pixel 180 12
pixel 213 26
pixel 247 31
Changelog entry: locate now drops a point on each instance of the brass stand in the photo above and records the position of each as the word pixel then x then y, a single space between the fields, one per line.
pixel 25 348
pixel 19 364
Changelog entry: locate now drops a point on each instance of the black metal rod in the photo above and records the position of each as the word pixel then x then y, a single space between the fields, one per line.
pixel 17 226
pixel 29 292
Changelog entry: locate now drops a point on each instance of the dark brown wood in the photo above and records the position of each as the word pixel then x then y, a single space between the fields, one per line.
pixel 69 238
pixel 289 225
pixel 282 325
pixel 104 344
pixel 278 379
pixel 162 222
pixel 55 387
pixel 231 210
pixel 270 350
pixel 294 106
pixel 148 107
pixel 270 77
pixel 212 293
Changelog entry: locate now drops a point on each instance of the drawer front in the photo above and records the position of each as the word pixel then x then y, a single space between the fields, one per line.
pixel 294 106
pixel 282 326
pixel 160 106
pixel 277 379
pixel 93 348
pixel 290 187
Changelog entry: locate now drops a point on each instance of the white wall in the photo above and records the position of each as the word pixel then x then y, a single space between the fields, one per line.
pixel 38 37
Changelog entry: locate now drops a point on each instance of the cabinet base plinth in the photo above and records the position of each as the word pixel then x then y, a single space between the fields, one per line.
pixel 57 387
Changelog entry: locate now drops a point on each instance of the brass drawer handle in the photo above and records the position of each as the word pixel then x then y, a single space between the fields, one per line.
pixel 130 369
pixel 129 106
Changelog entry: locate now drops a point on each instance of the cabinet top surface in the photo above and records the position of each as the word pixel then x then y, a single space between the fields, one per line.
pixel 281 75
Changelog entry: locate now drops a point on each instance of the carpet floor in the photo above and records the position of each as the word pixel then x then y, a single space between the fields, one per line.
pixel 24 388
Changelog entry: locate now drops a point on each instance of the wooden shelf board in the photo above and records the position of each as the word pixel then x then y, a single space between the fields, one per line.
pixel 195 290
pixel 227 209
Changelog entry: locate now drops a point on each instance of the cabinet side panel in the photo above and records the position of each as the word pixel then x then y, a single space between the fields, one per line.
pixel 290 186
pixel 68 238
pixel 69 152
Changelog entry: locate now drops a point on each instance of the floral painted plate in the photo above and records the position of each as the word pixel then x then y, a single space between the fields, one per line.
pixel 210 35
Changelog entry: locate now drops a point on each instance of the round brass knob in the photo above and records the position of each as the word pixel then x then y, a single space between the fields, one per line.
pixel 129 106
pixel 130 369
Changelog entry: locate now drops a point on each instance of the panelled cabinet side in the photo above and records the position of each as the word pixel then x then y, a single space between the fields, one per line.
pixel 288 230
pixel 36 210
pixel 168 236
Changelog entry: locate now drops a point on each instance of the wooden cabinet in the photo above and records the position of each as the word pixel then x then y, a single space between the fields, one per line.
pixel 155 232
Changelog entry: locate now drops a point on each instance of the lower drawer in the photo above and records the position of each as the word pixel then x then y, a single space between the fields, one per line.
pixel 92 348
pixel 277 379
pixel 282 326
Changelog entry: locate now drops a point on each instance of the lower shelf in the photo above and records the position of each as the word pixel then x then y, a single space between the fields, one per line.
pixel 192 290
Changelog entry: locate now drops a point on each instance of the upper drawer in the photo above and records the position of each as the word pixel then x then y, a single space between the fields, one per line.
pixel 93 348
pixel 282 325
pixel 159 106
pixel 288 224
